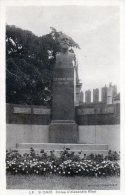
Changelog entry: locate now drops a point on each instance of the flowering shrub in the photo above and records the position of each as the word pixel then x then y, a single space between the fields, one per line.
pixel 67 164
pixel 113 155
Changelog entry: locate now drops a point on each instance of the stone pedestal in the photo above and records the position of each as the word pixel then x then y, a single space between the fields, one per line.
pixel 63 128
pixel 63 132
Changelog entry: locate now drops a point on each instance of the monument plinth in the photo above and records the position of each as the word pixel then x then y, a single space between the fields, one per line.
pixel 63 128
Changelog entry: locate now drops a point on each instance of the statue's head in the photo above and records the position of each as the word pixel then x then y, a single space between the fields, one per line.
pixel 64 41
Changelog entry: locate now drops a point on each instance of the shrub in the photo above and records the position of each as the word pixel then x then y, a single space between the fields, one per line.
pixel 67 164
pixel 113 155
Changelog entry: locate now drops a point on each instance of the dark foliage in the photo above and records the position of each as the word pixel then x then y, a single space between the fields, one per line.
pixel 29 65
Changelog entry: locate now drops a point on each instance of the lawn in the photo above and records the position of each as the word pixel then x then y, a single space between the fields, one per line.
pixel 54 182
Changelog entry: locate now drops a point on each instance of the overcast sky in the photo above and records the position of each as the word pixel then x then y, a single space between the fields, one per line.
pixel 95 28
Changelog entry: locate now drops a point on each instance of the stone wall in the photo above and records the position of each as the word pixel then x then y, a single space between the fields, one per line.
pixel 27 114
pixel 97 124
pixel 98 114
pixel 87 114
pixel 100 134
pixel 27 124
pixel 22 133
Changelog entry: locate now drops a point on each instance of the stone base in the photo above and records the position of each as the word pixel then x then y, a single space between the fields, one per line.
pixel 63 132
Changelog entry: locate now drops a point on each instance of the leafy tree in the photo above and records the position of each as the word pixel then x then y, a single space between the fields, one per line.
pixel 29 65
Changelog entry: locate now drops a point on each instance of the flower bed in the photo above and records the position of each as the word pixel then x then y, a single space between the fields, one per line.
pixel 68 164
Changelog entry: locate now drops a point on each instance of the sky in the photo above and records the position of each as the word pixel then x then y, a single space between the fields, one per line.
pixel 95 28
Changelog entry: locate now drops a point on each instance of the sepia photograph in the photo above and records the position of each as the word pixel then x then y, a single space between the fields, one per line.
pixel 62 97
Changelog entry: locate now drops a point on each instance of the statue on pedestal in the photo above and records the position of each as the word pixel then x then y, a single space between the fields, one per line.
pixel 65 58
pixel 63 128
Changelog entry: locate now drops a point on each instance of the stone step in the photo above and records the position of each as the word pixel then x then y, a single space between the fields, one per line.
pixel 57 152
pixel 60 147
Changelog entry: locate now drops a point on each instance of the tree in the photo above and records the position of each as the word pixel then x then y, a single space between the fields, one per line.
pixel 29 65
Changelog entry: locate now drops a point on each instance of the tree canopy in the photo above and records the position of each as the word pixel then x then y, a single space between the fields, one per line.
pixel 29 65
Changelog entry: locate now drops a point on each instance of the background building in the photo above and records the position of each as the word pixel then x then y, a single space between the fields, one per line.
pixel 96 95
pixel 88 96
pixel 114 90
pixel 104 94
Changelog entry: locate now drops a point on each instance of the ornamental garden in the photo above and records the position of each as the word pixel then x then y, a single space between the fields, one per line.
pixel 66 164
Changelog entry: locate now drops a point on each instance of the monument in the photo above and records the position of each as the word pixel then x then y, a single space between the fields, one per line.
pixel 62 132
pixel 63 128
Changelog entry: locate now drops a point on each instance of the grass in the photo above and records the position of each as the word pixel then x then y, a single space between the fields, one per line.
pixel 54 182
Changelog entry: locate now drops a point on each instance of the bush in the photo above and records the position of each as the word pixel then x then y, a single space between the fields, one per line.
pixel 67 164
pixel 113 155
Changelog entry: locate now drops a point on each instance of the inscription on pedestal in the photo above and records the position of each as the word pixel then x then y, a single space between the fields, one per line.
pixel 63 94
pixel 63 79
